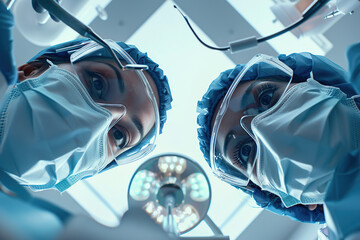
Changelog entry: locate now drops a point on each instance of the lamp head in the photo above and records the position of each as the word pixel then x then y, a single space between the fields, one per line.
pixel 171 180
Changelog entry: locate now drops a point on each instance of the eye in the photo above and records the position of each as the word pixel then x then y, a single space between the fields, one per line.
pixel 243 153
pixel 97 84
pixel 266 99
pixel 120 138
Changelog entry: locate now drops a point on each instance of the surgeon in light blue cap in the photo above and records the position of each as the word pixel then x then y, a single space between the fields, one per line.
pixel 286 131
pixel 72 111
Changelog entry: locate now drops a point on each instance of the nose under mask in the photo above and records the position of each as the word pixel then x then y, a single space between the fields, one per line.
pixel 52 133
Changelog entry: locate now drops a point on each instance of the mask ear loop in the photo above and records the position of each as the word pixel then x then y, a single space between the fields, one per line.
pixel 118 111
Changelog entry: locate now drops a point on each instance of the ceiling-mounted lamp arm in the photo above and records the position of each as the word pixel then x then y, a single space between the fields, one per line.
pixel 214 228
pixel 218 235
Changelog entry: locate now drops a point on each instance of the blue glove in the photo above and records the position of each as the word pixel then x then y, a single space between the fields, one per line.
pixel 325 71
pixel 7 61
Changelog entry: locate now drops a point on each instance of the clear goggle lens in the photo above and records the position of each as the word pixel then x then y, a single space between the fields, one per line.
pixel 257 88
pixel 126 93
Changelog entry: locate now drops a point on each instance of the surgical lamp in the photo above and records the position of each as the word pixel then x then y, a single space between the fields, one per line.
pixel 343 7
pixel 60 13
pixel 175 192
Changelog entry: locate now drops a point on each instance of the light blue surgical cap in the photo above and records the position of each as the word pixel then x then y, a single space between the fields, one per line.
pixel 324 71
pixel 155 72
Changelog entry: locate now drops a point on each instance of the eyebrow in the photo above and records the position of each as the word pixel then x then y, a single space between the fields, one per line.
pixel 138 125
pixel 118 76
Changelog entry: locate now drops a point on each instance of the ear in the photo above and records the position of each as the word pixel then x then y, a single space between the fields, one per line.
pixel 31 70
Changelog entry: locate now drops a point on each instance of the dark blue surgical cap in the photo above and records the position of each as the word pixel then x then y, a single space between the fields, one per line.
pixel 302 64
pixel 155 72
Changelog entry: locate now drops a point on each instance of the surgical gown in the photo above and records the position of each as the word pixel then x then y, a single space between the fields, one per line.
pixel 342 201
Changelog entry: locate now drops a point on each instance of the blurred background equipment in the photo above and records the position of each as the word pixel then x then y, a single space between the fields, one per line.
pixel 40 30
pixel 320 22
pixel 306 17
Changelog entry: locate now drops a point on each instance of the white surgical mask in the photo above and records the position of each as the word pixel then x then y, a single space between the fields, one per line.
pixel 301 139
pixel 52 133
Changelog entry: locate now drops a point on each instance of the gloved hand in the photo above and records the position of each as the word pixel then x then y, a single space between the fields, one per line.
pixel 323 70
pixel 7 61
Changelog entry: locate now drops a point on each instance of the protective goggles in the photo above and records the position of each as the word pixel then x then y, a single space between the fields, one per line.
pixel 257 88
pixel 119 86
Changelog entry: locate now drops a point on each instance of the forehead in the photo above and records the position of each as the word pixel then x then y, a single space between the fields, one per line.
pixel 238 93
